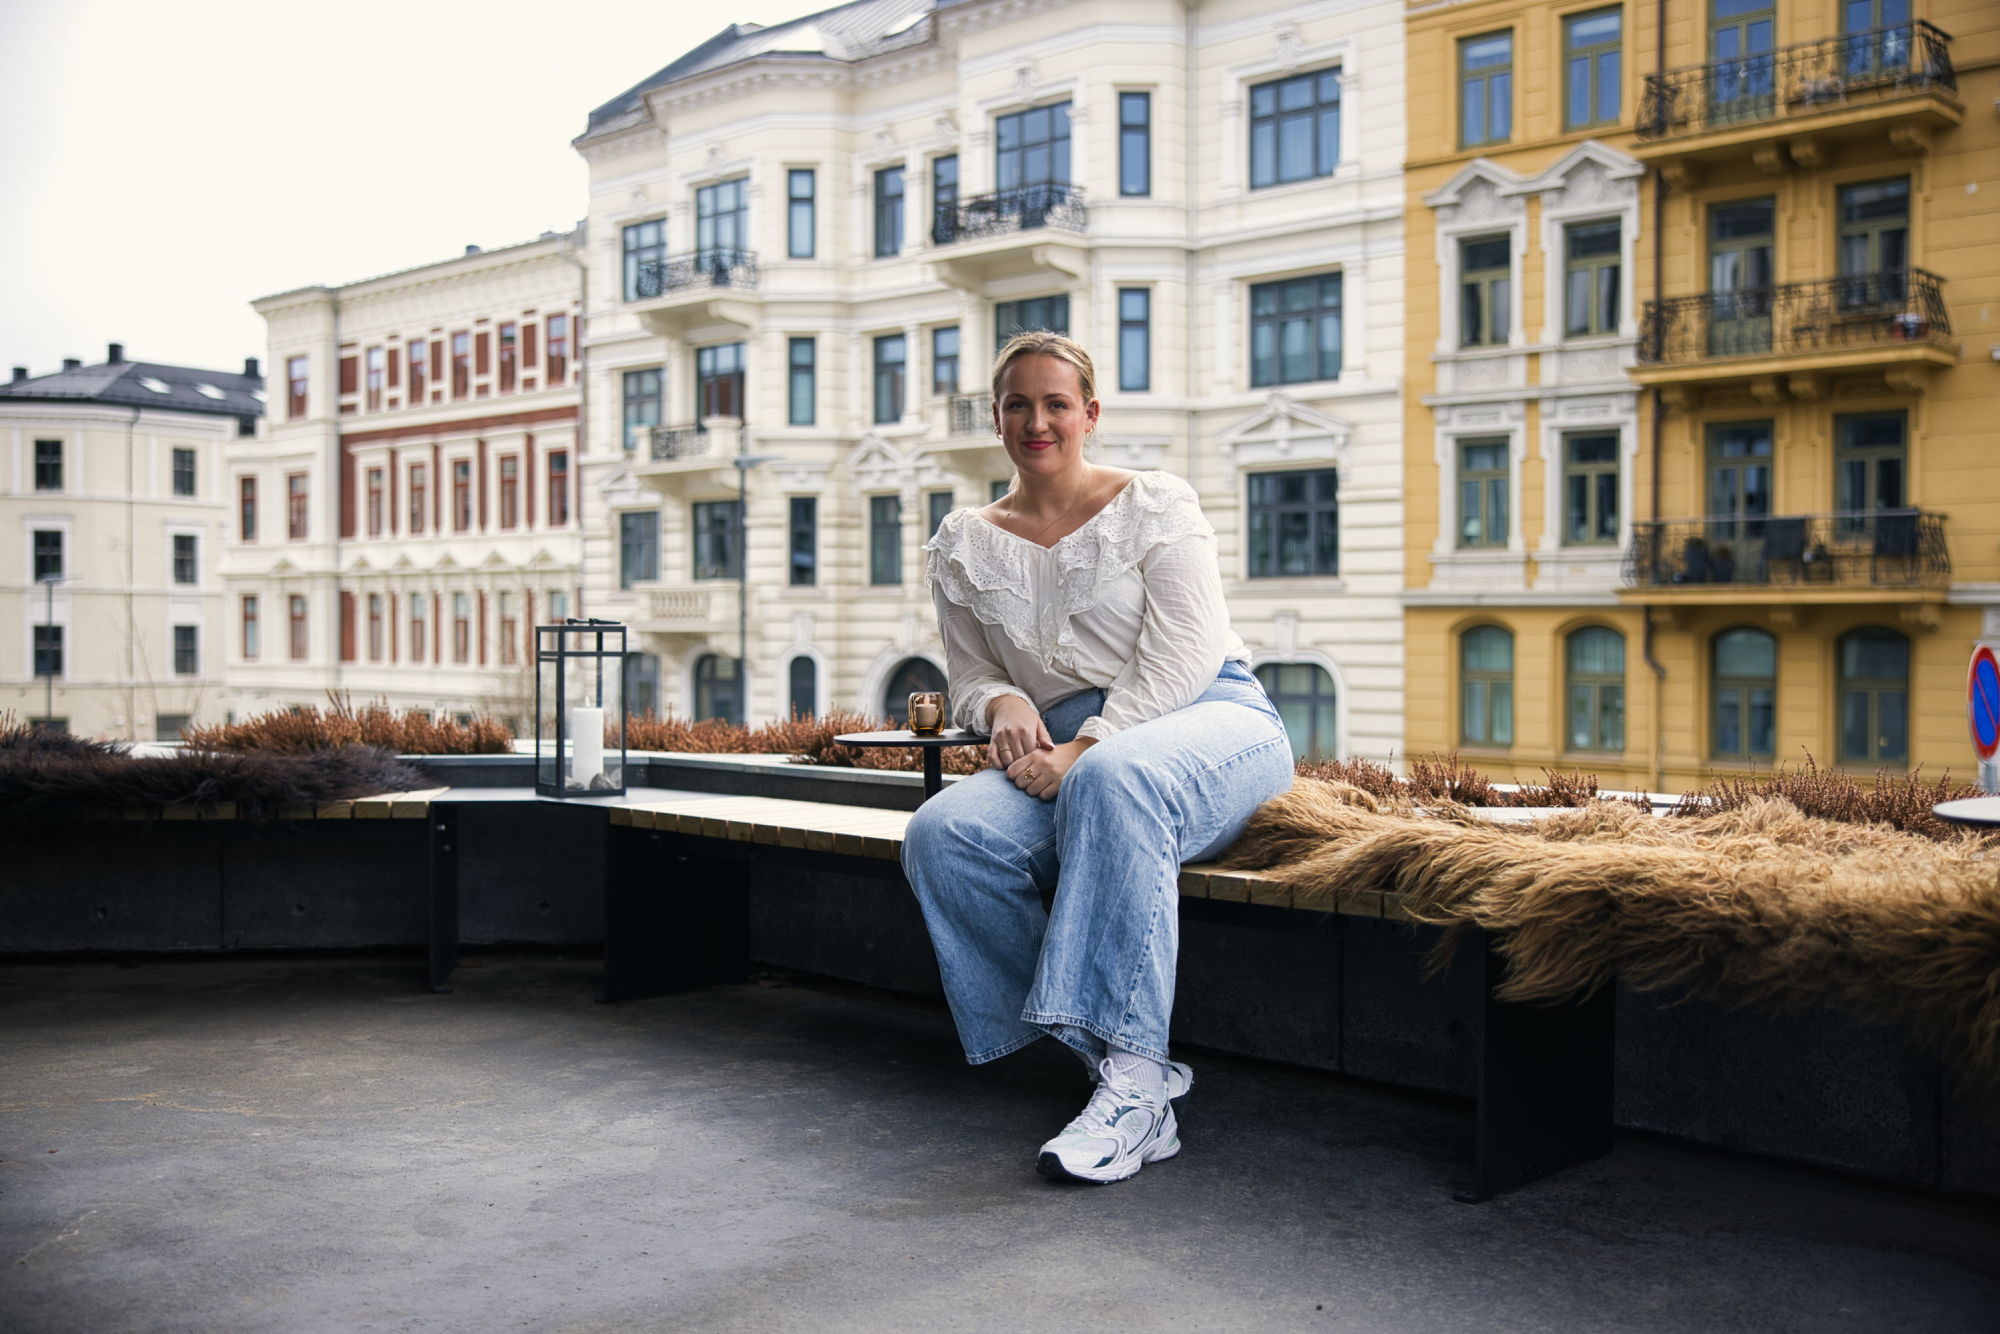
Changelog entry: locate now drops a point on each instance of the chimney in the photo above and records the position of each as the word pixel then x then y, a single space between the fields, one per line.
pixel 20 374
pixel 115 354
pixel 251 369
pixel 71 363
pixel 472 250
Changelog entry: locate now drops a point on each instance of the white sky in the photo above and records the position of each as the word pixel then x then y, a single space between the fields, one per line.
pixel 165 164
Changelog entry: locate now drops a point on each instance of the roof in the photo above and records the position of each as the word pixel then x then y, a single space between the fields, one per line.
pixel 146 384
pixel 846 33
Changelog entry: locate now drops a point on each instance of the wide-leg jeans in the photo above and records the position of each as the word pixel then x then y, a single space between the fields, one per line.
pixel 1097 966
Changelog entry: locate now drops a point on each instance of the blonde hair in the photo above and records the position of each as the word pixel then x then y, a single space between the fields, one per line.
pixel 1042 343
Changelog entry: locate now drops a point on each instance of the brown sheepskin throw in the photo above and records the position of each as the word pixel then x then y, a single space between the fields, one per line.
pixel 1758 906
pixel 88 780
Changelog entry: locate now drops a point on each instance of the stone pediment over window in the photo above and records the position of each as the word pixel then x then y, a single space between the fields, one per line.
pixel 542 560
pixel 285 566
pixel 1588 175
pixel 494 561
pixel 402 563
pixel 1285 431
pixel 879 466
pixel 359 565
pixel 1483 192
pixel 620 489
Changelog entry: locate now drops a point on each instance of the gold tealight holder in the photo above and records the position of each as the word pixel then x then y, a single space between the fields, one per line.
pixel 927 712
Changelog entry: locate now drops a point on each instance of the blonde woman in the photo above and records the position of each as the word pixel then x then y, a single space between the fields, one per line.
pixel 1085 632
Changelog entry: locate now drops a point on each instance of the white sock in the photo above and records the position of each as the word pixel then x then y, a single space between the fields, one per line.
pixel 1144 1071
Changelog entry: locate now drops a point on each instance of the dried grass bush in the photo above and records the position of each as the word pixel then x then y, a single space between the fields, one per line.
pixel 1899 801
pixel 806 740
pixel 341 723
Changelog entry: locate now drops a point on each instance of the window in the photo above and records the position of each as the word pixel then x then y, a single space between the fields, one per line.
pixel 1743 723
pixel 1135 339
pixel 1294 523
pixel 1590 68
pixel 1485 89
pixel 295 381
pixel 246 508
pixel 48 465
pixel 644 398
pixel 1031 159
pixel 558 349
pixel 461 627
pixel 800 226
pixel 801 386
pixel 187 569
pixel 1135 144
pixel 461 364
pixel 885 539
pixel 804 526
pixel 375 501
pixel 1869 465
pixel 375 615
pixel 1486 687
pixel 1874 243
pixel 1878 39
pixel 169 726
pixel 48 544
pixel 1485 286
pixel 249 620
pixel 1482 493
pixel 1739 473
pixel 510 490
pixel 1040 312
pixel 297 604
pixel 510 356
pixel 183 472
pixel 1594 710
pixel 1295 128
pixel 645 251
pixel 461 495
pixel 642 677
pixel 1303 695
pixel 558 488
pixel 888 212
pixel 1295 330
pixel 718 688
pixel 373 370
pixel 999 487
pixel 48 650
pixel 718 544
pixel 891 354
pixel 187 651
pixel 944 199
pixel 1590 279
pixel 1590 489
pixel 944 360
pixel 419 365
pixel 419 495
pixel 1874 697
pixel 937 504
pixel 718 380
pixel 803 680
pixel 638 547
pixel 510 631
pixel 1741 248
pixel 295 506
pixel 1742 71
pixel 721 223
pixel 419 626
pixel 912 675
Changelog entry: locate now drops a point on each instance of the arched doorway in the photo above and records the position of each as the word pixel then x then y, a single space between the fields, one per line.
pixel 911 675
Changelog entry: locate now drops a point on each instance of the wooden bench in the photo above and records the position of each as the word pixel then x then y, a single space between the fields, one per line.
pixel 1543 1089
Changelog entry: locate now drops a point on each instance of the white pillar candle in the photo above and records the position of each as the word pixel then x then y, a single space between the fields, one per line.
pixel 586 732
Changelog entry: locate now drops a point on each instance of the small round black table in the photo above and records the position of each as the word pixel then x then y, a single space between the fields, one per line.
pixel 1971 810
pixel 932 747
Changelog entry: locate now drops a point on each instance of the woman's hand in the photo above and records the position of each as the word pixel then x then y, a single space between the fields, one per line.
pixel 1040 774
pixel 1016 731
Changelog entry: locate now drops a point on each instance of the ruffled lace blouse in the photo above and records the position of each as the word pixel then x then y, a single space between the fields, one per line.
pixel 1130 603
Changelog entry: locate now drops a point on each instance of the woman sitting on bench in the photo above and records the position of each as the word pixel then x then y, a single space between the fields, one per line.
pixel 1085 632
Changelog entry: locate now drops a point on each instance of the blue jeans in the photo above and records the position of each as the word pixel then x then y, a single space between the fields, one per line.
pixel 1098 967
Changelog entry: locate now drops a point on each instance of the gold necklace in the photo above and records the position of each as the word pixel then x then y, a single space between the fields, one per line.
pixel 1082 491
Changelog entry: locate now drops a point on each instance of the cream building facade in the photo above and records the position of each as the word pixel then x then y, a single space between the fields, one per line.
pixel 112 501
pixel 412 508
pixel 807 240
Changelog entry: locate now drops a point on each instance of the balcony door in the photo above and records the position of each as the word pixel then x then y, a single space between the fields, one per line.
pixel 1031 162
pixel 722 224
pixel 1739 498
pixel 718 380
pixel 1741 247
pixel 1876 39
pixel 1874 258
pixel 1740 45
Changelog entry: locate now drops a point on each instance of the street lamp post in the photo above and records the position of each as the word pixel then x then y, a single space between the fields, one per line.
pixel 744 463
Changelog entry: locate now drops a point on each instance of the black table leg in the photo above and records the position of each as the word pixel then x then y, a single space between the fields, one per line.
pixel 443 821
pixel 933 771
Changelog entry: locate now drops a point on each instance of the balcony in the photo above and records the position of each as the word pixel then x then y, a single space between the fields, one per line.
pixel 674 296
pixel 674 454
pixel 1896 80
pixel 1011 233
pixel 694 609
pixel 960 421
pixel 1778 557
pixel 1895 321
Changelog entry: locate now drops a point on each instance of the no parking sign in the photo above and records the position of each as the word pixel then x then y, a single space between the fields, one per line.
pixel 1982 711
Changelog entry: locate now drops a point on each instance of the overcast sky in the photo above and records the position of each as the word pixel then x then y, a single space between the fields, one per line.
pixel 165 164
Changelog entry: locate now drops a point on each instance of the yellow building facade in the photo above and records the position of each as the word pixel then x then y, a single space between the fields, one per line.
pixel 1806 509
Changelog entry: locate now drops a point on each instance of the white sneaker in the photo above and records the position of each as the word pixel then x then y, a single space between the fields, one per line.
pixel 1120 1130
pixel 1180 1079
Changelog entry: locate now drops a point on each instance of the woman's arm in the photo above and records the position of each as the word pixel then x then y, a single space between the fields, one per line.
pixel 1183 634
pixel 982 698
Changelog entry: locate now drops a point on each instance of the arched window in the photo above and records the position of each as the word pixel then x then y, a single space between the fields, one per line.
pixel 642 685
pixel 1874 697
pixel 912 674
pixel 1594 689
pixel 1303 694
pixel 1743 677
pixel 1486 687
pixel 718 688
pixel 804 683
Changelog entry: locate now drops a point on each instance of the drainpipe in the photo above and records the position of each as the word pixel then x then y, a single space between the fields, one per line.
pixel 1190 266
pixel 131 573
pixel 582 351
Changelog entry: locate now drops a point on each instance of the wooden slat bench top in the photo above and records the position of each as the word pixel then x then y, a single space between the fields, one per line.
pixel 413 805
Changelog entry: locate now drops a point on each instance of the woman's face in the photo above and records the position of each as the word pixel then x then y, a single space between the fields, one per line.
pixel 1042 415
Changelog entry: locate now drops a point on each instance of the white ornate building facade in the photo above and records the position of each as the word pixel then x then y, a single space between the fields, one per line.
pixel 412 507
pixel 807 240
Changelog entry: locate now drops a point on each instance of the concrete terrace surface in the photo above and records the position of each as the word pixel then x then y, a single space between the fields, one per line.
pixel 318 1144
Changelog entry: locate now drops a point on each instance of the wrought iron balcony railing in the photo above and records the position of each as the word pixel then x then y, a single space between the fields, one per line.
pixel 969 415
pixel 1895 548
pixel 1017 210
pixel 704 268
pixel 1796 80
pixel 679 442
pixel 1796 319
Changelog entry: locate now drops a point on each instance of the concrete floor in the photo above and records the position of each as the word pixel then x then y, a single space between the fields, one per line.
pixel 307 1145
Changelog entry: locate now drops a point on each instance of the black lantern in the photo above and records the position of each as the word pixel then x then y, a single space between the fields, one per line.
pixel 579 687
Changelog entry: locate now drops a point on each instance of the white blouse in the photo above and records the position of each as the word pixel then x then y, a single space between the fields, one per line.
pixel 1130 603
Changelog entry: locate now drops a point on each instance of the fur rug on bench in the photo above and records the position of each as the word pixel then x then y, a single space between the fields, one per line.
pixel 1759 906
